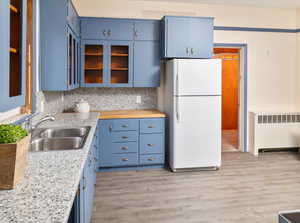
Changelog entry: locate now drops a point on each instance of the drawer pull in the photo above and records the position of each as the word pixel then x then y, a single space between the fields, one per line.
pixel 124 126
pixel 124 148
pixel 124 137
pixel 151 126
pixel 151 145
pixel 151 159
pixel 124 159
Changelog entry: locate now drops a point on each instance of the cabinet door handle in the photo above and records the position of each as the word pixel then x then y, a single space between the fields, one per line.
pixel 124 126
pixel 151 159
pixel 124 137
pixel 151 126
pixel 187 51
pixel 109 32
pixel 104 33
pixel 124 159
pixel 192 51
pixel 151 145
pixel 136 33
pixel 124 148
pixel 110 128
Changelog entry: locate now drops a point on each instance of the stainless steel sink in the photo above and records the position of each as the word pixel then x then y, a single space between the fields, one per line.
pixel 50 139
pixel 49 144
pixel 74 132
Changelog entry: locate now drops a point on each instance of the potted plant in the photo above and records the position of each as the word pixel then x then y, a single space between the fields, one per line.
pixel 14 143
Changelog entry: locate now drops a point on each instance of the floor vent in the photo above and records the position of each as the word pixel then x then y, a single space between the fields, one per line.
pixel 271 131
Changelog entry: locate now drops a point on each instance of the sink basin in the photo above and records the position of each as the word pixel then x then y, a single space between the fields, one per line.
pixel 52 139
pixel 63 143
pixel 56 132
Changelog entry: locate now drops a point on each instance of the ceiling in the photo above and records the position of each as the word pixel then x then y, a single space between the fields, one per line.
pixel 254 3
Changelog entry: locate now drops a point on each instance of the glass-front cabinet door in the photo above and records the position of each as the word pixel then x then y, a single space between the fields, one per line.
pixel 120 64
pixel 13 52
pixel 94 63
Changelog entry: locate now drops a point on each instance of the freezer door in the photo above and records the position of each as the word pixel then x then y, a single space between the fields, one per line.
pixel 196 132
pixel 198 77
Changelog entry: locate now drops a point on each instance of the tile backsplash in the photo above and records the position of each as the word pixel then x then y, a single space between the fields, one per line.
pixel 99 99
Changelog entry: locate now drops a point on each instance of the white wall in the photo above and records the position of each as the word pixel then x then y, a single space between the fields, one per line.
pixel 298 52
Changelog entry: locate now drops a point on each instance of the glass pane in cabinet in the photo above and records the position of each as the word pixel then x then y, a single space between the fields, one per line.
pixel 15 72
pixel 93 69
pixel 119 64
pixel 74 61
pixel 70 60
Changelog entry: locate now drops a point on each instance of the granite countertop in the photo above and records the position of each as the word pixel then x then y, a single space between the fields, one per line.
pixel 47 191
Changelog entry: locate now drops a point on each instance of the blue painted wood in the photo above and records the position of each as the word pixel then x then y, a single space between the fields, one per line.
pixel 146 167
pixel 151 143
pixel 152 125
pixel 129 44
pixel 105 29
pixel 6 101
pixel 73 18
pixel 152 159
pixel 126 159
pixel 111 154
pixel 255 29
pixel 146 64
pixel 54 45
pixel 126 147
pixel 147 30
pixel 125 125
pixel 187 37
pixel 130 136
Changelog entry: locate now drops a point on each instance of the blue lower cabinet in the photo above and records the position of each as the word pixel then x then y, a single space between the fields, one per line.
pixel 126 147
pixel 126 159
pixel 143 145
pixel 152 159
pixel 83 203
pixel 151 143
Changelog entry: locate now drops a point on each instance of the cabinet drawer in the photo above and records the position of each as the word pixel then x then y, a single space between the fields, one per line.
pixel 151 143
pixel 131 136
pixel 152 125
pixel 129 159
pixel 127 147
pixel 152 159
pixel 125 125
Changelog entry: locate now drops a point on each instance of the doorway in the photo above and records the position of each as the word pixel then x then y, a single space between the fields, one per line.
pixel 231 64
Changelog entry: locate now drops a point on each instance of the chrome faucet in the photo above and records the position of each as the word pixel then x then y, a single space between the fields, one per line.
pixel 46 118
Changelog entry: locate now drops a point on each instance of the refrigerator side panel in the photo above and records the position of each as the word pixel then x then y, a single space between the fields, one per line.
pixel 199 77
pixel 197 132
pixel 169 109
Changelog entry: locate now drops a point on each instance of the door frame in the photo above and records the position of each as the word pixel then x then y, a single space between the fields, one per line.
pixel 243 92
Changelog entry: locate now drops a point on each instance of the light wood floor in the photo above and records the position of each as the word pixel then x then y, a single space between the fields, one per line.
pixel 245 190
pixel 229 140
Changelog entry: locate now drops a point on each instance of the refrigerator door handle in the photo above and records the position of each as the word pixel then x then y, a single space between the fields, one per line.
pixel 177 109
pixel 177 85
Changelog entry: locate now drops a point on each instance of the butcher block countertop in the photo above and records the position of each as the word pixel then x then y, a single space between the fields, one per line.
pixel 127 114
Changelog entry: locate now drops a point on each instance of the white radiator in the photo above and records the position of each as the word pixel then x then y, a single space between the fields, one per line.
pixel 273 130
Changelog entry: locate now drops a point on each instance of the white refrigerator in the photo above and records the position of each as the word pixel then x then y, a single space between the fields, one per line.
pixel 193 103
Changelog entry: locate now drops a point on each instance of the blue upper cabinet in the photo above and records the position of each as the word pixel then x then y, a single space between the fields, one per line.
pixel 13 20
pixel 146 64
pixel 147 30
pixel 73 18
pixel 120 52
pixel 59 46
pixel 187 37
pixel 106 29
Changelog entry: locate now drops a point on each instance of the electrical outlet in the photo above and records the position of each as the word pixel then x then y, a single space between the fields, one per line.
pixel 138 99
